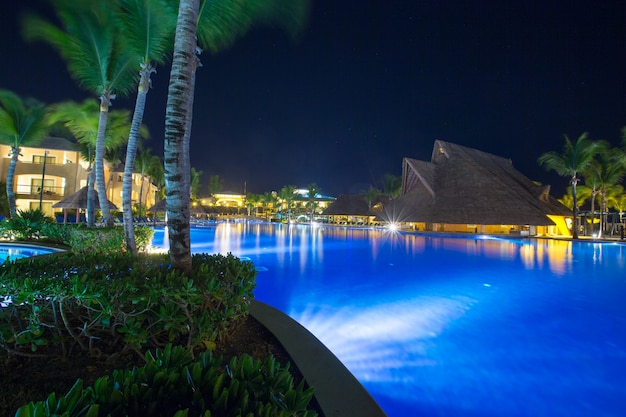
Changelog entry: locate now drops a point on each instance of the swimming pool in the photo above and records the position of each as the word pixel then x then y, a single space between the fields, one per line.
pixel 13 251
pixel 450 326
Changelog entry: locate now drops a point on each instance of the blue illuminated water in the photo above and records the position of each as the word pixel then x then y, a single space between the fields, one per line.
pixel 11 251
pixel 450 326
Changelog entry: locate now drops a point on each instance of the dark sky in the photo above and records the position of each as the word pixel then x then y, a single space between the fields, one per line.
pixel 371 82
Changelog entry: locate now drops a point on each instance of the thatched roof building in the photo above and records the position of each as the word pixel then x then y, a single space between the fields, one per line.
pixel 349 205
pixel 465 186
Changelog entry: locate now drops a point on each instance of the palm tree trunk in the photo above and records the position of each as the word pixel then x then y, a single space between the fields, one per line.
pixel 593 211
pixel 91 198
pixel 15 152
pixel 574 209
pixel 177 166
pixel 602 211
pixel 105 101
pixel 131 154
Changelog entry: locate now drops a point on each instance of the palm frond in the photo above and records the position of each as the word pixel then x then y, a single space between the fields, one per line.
pixel 221 22
pixel 148 27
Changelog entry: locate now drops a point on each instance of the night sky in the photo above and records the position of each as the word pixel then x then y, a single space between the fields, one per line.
pixel 372 81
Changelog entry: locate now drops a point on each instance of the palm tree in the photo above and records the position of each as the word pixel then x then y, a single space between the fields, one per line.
pixel 583 193
pixel 610 170
pixel 392 186
pixel 371 195
pixel 616 198
pixel 194 182
pixel 269 200
pixel 251 201
pixel 90 43
pixel 21 123
pixel 591 176
pixel 177 121
pixel 148 27
pixel 143 166
pixel 570 163
pixel 287 195
pixel 215 184
pixel 313 190
pixel 216 25
pixel 83 122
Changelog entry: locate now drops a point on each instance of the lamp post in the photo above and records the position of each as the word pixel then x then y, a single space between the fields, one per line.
pixel 43 177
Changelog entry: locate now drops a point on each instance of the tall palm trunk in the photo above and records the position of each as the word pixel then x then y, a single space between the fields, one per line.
pixel 177 165
pixel 593 210
pixel 105 102
pixel 602 211
pixel 91 198
pixel 131 154
pixel 15 152
pixel 574 208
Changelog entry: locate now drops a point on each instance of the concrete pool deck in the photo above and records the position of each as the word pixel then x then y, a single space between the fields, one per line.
pixel 337 391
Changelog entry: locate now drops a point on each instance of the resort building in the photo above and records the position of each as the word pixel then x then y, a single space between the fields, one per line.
pixel 45 174
pixel 143 190
pixel 354 209
pixel 466 190
pixel 54 170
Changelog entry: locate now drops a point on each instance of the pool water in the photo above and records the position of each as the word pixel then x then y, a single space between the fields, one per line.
pixel 450 326
pixel 11 251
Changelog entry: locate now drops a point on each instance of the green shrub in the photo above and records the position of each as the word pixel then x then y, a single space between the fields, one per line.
pixel 106 240
pixel 171 383
pixel 28 224
pixel 59 303
pixel 143 237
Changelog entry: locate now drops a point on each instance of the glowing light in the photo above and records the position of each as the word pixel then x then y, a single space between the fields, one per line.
pixel 393 227
pixel 363 338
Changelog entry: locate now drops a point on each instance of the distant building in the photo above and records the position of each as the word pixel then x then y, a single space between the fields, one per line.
pixel 466 190
pixel 54 170
pixel 65 173
pixel 354 209
pixel 140 186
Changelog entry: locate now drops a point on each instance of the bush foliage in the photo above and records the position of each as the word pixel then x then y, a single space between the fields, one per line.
pixel 34 225
pixel 172 383
pixel 92 302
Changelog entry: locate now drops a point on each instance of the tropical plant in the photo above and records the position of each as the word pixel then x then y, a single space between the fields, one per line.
pixel 144 164
pixel 215 25
pixel 269 200
pixel 251 201
pixel 609 170
pixel 616 199
pixel 202 386
pixel 88 40
pixel 177 121
pixel 570 163
pixel 312 192
pixel 148 27
pixel 22 122
pixel 82 121
pixel 392 186
pixel 288 194
pixel 215 184
pixel 194 182
pixel 28 224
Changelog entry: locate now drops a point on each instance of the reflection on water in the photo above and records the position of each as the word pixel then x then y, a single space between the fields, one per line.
pixel 450 326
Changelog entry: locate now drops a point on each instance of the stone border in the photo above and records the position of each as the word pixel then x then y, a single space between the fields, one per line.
pixel 337 391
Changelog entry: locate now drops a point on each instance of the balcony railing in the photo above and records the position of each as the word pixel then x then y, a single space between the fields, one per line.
pixel 31 191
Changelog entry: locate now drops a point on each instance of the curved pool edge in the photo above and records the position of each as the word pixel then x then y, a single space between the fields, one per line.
pixel 51 246
pixel 337 391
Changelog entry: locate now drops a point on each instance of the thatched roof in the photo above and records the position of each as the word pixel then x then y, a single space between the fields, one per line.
pixel 78 200
pixel 462 185
pixel 350 205
pixel 159 207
